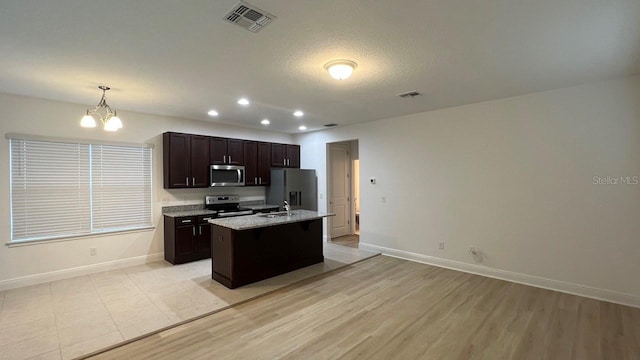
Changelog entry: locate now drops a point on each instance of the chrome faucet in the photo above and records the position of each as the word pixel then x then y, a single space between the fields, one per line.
pixel 287 208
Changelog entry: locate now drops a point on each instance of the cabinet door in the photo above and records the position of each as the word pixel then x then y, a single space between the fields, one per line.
pixel 264 163
pixel 217 151
pixel 185 243
pixel 204 241
pixel 235 152
pixel 221 251
pixel 199 161
pixel 293 156
pixel 277 155
pixel 176 149
pixel 250 163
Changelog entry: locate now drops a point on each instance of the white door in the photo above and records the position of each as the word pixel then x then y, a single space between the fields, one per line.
pixel 340 189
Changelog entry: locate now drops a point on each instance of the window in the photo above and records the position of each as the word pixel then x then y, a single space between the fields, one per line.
pixel 65 189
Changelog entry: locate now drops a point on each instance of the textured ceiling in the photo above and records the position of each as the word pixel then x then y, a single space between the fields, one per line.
pixel 180 58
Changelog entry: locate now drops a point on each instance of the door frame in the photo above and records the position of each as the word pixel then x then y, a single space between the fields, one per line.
pixel 351 207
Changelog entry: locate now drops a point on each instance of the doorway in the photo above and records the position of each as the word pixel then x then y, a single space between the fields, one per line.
pixel 343 192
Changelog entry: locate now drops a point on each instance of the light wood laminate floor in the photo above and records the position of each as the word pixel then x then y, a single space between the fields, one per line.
pixel 348 240
pixel 387 308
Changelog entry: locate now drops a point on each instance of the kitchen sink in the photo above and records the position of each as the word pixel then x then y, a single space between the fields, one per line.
pixel 275 214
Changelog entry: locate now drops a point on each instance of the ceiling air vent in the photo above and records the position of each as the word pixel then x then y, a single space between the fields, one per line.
pixel 409 94
pixel 249 17
pixel 330 125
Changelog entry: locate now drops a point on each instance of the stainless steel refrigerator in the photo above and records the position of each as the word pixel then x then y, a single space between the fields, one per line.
pixel 299 187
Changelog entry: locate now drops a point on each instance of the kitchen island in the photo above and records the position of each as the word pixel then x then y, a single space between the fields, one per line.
pixel 246 249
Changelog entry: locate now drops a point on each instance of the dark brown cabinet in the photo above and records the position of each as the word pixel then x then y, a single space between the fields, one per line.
pixel 285 155
pixel 257 163
pixel 242 257
pixel 187 238
pixel 225 151
pixel 186 161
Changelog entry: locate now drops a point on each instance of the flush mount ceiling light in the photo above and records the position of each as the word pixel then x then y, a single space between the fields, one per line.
pixel 298 113
pixel 212 113
pixel 103 112
pixel 243 102
pixel 302 127
pixel 265 122
pixel 340 69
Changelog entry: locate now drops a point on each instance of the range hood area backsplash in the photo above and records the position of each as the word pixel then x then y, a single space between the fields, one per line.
pixel 193 199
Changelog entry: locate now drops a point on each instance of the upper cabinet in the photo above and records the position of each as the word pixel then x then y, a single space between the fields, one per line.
pixel 225 151
pixel 285 155
pixel 186 161
pixel 257 163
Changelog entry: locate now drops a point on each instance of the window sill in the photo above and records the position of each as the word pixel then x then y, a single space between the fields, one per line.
pixel 73 238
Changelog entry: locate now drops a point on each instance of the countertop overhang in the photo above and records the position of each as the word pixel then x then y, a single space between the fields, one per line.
pixel 257 221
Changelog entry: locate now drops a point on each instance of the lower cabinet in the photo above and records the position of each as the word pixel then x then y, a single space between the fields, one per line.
pixel 187 238
pixel 243 257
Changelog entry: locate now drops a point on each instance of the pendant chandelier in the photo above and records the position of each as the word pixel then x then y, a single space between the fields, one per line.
pixel 102 111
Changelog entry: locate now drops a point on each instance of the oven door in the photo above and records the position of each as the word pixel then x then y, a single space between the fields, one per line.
pixel 227 175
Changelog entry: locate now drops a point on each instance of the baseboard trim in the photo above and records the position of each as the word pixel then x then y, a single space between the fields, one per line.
pixel 545 283
pixel 78 271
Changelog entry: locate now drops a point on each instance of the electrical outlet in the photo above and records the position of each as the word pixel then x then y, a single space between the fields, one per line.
pixel 93 251
pixel 321 196
pixel 441 245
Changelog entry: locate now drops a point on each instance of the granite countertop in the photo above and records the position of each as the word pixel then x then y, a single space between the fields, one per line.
pixel 261 207
pixel 257 221
pixel 195 212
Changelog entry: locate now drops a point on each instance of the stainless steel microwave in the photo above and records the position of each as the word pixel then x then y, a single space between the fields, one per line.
pixel 227 175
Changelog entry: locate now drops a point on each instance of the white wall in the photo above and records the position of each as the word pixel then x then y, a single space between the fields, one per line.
pixel 33 263
pixel 513 177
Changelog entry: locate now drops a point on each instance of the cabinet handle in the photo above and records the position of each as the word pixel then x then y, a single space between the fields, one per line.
pixel 260 180
pixel 224 159
pixel 255 180
pixel 199 230
pixel 194 231
pixel 186 221
pixel 229 159
pixel 193 181
pixel 187 180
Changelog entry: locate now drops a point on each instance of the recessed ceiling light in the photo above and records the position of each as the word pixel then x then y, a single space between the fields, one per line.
pixel 212 113
pixel 265 122
pixel 243 102
pixel 298 113
pixel 302 127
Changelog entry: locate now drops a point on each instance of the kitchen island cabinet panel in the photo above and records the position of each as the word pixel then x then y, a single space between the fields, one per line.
pixel 242 257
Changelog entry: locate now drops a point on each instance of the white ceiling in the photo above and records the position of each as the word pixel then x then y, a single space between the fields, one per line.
pixel 180 58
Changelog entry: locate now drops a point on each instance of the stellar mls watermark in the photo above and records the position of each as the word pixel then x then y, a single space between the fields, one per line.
pixel 616 180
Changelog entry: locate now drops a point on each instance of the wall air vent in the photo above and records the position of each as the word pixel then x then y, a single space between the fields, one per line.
pixel 409 94
pixel 330 125
pixel 249 17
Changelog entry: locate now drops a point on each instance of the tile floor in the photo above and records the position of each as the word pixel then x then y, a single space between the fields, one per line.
pixel 69 318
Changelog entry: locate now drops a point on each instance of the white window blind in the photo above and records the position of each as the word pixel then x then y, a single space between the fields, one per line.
pixel 64 189
pixel 121 189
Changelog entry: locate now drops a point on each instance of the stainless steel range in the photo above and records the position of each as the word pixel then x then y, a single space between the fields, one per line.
pixel 226 205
